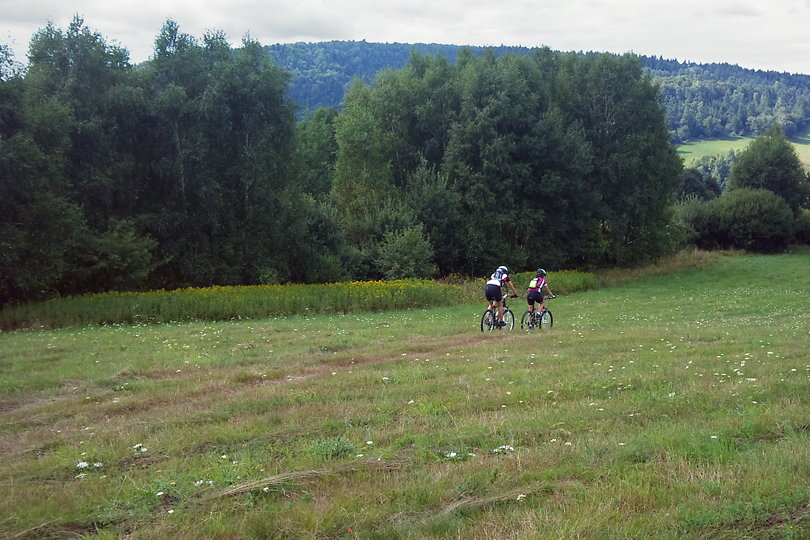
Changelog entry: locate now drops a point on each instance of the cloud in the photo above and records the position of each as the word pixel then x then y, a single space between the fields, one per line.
pixel 738 10
pixel 742 31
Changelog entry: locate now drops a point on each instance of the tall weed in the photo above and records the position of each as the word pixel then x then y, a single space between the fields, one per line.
pixel 228 303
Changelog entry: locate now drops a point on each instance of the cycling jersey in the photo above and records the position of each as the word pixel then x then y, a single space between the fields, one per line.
pixel 537 283
pixel 498 278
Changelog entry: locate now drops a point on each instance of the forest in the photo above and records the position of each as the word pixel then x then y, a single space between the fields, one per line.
pixel 192 169
pixel 701 100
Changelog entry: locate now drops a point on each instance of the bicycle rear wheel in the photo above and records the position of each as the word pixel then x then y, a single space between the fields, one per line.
pixel 546 319
pixel 488 321
pixel 508 319
pixel 527 321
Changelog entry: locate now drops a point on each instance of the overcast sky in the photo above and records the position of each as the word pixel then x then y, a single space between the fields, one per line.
pixel 772 35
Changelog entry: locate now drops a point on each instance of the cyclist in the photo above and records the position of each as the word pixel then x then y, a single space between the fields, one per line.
pixel 493 291
pixel 535 291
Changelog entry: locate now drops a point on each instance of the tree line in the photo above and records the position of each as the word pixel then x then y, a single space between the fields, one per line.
pixel 191 169
pixel 701 100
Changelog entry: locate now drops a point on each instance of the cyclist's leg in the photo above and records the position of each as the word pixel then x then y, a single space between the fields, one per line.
pixel 489 297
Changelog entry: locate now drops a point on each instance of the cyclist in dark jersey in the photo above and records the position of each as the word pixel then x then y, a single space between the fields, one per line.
pixel 493 292
pixel 535 291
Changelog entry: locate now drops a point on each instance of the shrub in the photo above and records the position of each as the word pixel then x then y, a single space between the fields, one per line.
pixel 751 219
pixel 406 254
pixel 801 230
pixel 691 220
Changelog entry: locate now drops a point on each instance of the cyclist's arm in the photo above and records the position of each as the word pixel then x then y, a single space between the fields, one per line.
pixel 512 286
pixel 551 294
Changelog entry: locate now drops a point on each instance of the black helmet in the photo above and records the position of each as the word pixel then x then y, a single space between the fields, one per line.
pixel 541 272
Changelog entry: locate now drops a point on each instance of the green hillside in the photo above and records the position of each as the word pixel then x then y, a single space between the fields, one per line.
pixel 701 100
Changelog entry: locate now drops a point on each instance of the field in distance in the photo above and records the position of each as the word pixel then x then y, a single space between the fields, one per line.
pixel 697 149
pixel 674 406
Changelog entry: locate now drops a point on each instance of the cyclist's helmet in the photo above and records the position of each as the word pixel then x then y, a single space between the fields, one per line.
pixel 503 269
pixel 541 272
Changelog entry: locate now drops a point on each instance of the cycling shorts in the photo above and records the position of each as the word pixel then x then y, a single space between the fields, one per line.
pixel 534 296
pixel 493 293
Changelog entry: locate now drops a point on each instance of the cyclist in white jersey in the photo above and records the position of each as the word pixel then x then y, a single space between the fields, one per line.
pixel 493 291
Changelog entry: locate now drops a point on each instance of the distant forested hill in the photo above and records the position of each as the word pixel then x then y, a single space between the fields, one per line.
pixel 702 100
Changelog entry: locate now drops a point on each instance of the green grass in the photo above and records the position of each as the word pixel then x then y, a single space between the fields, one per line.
pixel 697 149
pixel 672 406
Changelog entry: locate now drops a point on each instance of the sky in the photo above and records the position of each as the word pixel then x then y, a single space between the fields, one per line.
pixel 753 34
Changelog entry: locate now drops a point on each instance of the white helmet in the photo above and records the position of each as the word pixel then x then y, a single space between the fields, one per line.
pixel 503 269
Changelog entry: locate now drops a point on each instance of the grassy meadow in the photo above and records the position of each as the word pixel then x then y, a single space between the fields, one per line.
pixel 697 149
pixel 671 405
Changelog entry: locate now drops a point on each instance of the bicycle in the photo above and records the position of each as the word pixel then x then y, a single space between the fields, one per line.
pixel 490 317
pixel 532 320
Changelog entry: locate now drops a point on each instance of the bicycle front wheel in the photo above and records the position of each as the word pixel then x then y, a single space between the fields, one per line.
pixel 508 319
pixel 488 321
pixel 527 321
pixel 546 319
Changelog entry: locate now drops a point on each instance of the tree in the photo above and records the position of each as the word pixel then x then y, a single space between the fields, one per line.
pixel 718 166
pixel 185 157
pixel 222 152
pixel 636 171
pixel 316 152
pixel 438 208
pixel 363 178
pixel 38 221
pixel 77 68
pixel 699 185
pixel 9 68
pixel 770 162
pixel 507 158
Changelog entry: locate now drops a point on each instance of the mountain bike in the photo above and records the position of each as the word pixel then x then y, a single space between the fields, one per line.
pixel 535 320
pixel 489 320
